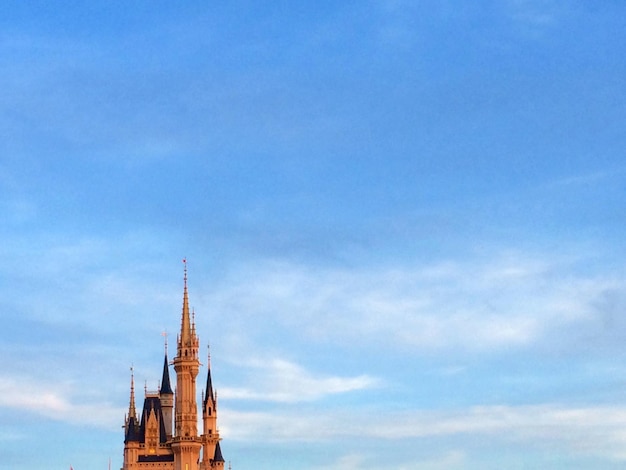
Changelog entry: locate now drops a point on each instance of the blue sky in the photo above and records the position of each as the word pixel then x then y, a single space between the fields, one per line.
pixel 403 221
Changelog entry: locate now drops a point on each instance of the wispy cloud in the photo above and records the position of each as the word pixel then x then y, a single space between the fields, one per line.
pixel 451 459
pixel 279 380
pixel 348 462
pixel 595 178
pixel 535 12
pixel 534 18
pixel 58 402
pixel 584 431
pixel 353 461
pixel 58 270
pixel 502 301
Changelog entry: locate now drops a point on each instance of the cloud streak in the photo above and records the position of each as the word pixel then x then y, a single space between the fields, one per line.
pixel 501 302
pixel 591 430
pixel 57 402
pixel 278 380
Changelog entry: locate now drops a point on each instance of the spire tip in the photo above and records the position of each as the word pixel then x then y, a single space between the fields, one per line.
pixel 164 334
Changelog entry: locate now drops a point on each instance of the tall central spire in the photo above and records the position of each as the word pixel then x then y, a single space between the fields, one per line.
pixel 186 443
pixel 132 413
pixel 185 327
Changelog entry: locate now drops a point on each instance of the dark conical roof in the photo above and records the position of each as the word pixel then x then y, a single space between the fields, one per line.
pixel 218 454
pixel 132 431
pixel 152 404
pixel 166 387
pixel 209 394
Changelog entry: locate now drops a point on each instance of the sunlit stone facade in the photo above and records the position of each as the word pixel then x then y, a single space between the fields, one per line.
pixel 165 434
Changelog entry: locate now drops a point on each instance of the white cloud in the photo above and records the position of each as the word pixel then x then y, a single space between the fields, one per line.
pixel 279 380
pixel 508 300
pixel 81 281
pixel 451 459
pixel 596 178
pixel 534 12
pixel 595 431
pixel 12 435
pixel 348 462
pixel 357 461
pixel 57 402
pixel 533 19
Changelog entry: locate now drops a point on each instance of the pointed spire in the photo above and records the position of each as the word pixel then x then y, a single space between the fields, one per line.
pixel 185 326
pixel 166 387
pixel 131 421
pixel 132 412
pixel 209 394
pixel 218 453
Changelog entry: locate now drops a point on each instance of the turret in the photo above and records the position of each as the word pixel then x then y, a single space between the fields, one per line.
pixel 211 453
pixel 166 394
pixel 218 460
pixel 132 433
pixel 131 424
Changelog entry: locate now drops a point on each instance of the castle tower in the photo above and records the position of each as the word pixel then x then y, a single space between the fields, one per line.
pixel 166 436
pixel 211 452
pixel 167 398
pixel 186 443
pixel 131 429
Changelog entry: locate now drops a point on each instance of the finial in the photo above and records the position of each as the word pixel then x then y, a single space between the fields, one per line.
pixel 186 335
pixel 164 334
pixel 208 348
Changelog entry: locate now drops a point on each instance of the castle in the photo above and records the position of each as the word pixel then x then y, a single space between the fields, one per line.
pixel 166 435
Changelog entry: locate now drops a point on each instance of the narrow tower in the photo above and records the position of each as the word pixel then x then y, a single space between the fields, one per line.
pixel 131 428
pixel 211 452
pixel 166 394
pixel 186 443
